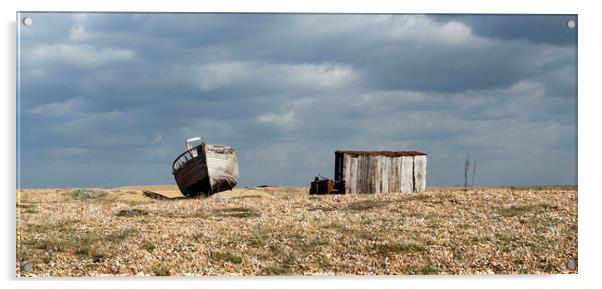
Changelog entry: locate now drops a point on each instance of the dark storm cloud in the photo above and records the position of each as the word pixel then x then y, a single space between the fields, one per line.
pixel 108 99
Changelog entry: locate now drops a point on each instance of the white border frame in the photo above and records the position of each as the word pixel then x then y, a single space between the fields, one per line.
pixel 588 135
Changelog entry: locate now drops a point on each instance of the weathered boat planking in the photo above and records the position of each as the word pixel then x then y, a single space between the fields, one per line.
pixel 206 169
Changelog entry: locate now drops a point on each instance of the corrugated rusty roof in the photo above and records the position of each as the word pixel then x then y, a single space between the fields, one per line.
pixel 382 153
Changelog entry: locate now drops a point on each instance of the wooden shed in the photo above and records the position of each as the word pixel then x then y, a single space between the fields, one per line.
pixel 374 172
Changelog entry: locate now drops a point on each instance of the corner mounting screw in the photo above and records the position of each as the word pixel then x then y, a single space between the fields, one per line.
pixel 27 21
pixel 571 24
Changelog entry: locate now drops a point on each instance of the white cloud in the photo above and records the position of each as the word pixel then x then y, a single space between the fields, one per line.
pixel 408 30
pixel 212 76
pixel 389 98
pixel 78 33
pixel 319 75
pixel 78 54
pixel 293 76
pixel 422 29
pixel 212 130
pixel 283 120
pixel 58 108
pixel 81 122
pixel 526 88
pixel 68 152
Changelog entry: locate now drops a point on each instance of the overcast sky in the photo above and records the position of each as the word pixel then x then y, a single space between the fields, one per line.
pixel 109 99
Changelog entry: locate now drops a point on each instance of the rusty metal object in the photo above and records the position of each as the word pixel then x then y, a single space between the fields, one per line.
pixel 326 187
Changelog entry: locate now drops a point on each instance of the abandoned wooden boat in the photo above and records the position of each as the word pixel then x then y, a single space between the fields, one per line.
pixel 205 169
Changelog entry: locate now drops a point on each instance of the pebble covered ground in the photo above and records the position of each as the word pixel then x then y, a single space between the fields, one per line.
pixel 285 231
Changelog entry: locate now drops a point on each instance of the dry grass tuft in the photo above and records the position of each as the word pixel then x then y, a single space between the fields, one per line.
pixel 225 257
pixel 132 213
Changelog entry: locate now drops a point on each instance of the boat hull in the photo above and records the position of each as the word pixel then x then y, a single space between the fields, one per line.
pixel 206 169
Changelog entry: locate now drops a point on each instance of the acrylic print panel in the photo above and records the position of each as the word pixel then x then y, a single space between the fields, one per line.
pixel 188 144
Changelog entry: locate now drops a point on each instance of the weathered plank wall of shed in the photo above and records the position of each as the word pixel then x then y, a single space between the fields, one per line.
pixel 365 181
pixel 374 175
pixel 385 174
pixel 406 177
pixel 393 175
pixel 353 175
pixel 365 174
pixel 420 173
pixel 346 171
pixel 356 165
